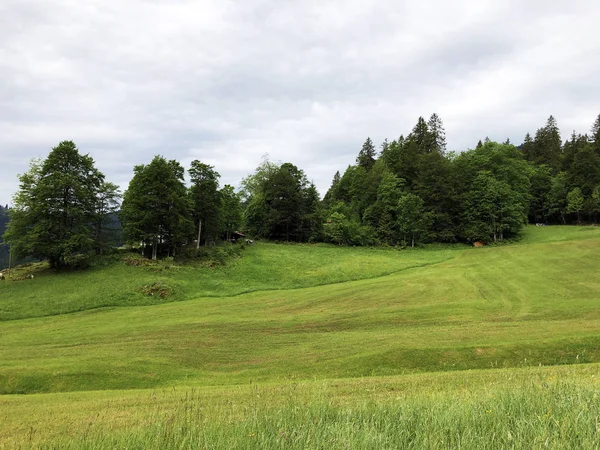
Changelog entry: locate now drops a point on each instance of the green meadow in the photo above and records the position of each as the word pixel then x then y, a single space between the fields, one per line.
pixel 311 346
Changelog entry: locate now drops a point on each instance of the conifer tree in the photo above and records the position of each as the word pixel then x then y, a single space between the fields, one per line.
pixel 422 137
pixel 205 199
pixel 155 207
pixel 366 156
pixel 56 208
pixel 438 134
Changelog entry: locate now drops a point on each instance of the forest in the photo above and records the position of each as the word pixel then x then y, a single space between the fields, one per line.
pixel 409 192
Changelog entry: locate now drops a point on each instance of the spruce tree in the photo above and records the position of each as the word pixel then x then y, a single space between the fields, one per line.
pixel 422 137
pixel 205 200
pixel 527 147
pixel 438 133
pixel 366 156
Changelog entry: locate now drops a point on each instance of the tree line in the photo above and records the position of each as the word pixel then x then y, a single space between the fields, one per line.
pixel 66 212
pixel 413 190
pixel 410 191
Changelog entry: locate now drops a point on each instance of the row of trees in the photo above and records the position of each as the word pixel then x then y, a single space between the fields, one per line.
pixel 413 190
pixel 65 211
pixel 410 191
pixel 161 213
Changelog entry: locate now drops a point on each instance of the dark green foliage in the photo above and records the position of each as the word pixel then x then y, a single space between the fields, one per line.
pixel 281 204
pixel 438 134
pixel 541 186
pixel 413 220
pixel 416 190
pixel 61 208
pixel 422 137
pixel 494 192
pixel 547 145
pixel 366 156
pixel 107 227
pixel 206 201
pixel 155 208
pixel 231 210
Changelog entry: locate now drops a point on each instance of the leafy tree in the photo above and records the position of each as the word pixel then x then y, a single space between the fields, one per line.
pixel 557 198
pixel 413 220
pixel 382 215
pixel 283 195
pixel 493 182
pixel 337 229
pixel 343 228
pixel 541 185
pixel 282 203
pixel 254 184
pixel 205 200
pixel 433 183
pixel 155 206
pixel 575 201
pixel 56 208
pixel 493 210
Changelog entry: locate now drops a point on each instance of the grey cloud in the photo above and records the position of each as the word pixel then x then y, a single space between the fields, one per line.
pixel 306 82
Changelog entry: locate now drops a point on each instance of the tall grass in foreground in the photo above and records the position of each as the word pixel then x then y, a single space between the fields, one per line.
pixel 531 415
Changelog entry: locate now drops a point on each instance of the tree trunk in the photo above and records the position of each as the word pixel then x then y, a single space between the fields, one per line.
pixel 154 249
pixel 413 240
pixel 199 231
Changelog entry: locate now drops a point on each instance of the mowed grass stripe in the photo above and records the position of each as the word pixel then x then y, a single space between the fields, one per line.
pixel 263 267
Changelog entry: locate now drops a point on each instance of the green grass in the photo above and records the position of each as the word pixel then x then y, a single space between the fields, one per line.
pixel 263 266
pixel 547 407
pixel 334 347
pixel 536 235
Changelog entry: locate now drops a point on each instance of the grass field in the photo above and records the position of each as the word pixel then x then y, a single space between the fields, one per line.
pixel 313 346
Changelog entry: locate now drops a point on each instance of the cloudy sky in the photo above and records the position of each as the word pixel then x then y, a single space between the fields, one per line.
pixel 304 81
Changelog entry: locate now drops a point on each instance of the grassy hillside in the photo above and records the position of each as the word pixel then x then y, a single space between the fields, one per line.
pixel 384 360
pixel 263 267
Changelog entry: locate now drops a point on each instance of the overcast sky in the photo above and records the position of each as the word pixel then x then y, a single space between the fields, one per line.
pixel 305 81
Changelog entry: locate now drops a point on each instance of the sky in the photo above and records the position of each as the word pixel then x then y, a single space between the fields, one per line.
pixel 226 82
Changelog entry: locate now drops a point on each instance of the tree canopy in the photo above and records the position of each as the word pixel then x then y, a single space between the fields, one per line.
pixel 414 191
pixel 58 212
